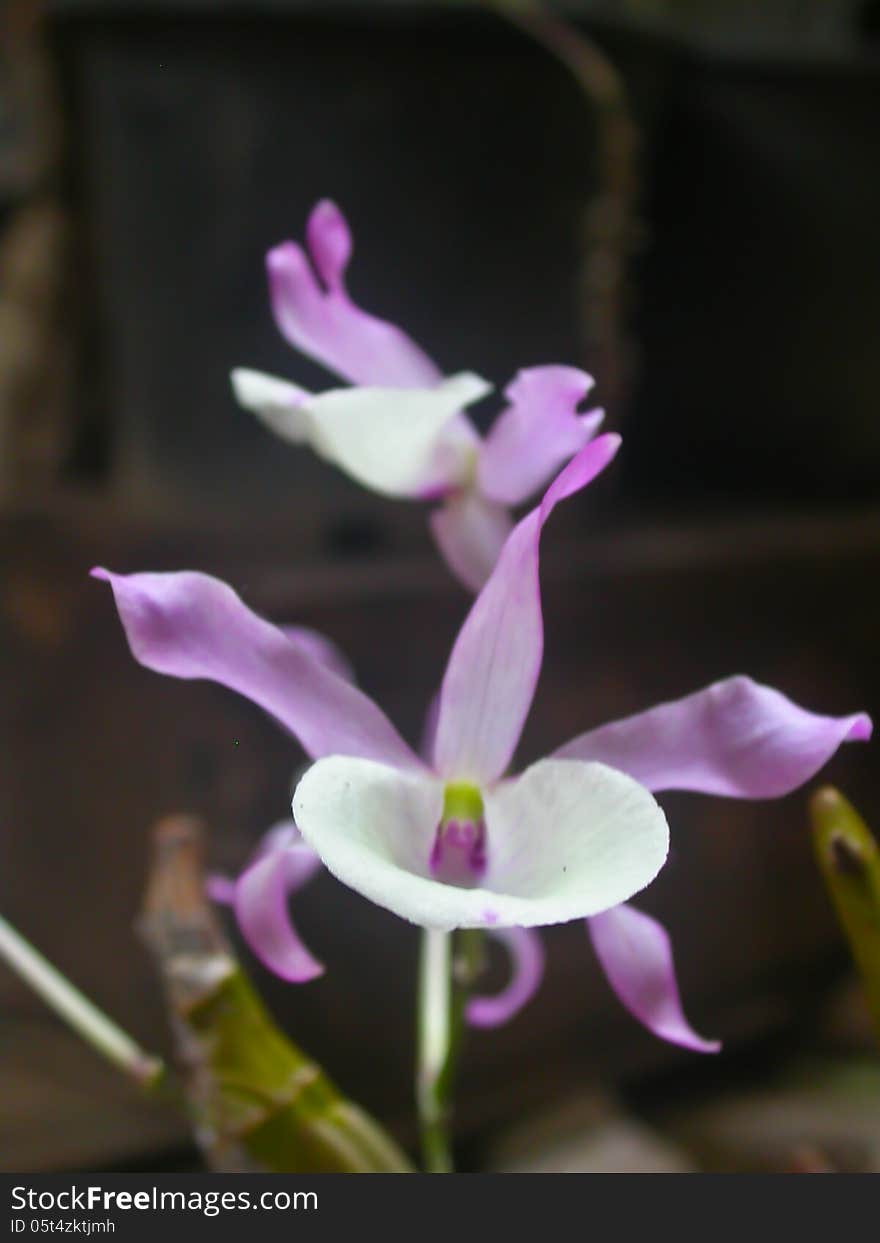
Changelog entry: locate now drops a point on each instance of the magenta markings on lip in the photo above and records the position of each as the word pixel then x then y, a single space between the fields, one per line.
pixel 458 855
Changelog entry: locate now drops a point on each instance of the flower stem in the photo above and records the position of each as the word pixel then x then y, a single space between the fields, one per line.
pixel 447 969
pixel 82 1015
pixel 433 1049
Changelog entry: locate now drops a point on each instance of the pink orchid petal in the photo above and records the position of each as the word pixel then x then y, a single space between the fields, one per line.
pixel 322 322
pixel 329 243
pixel 221 888
pixel 636 956
pixel 491 675
pixel 735 738
pixel 538 432
pixel 189 625
pixel 470 533
pixel 321 649
pixel 527 971
pixel 261 908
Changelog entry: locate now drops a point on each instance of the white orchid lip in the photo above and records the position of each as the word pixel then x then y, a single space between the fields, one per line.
pixel 397 441
pixel 562 841
pixel 400 442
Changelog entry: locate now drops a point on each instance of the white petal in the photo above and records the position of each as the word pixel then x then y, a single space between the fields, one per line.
pixel 565 840
pixel 569 838
pixel 275 402
pixel 401 442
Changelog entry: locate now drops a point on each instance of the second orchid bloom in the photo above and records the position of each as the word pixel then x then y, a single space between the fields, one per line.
pixel 400 429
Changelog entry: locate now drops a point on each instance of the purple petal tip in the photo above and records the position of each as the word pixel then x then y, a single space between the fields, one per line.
pixel 303 976
pixel 281 256
pixel 98 571
pixel 862 728
pixel 326 207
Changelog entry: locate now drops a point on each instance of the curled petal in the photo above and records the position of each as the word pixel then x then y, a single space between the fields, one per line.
pixel 537 433
pixel 636 956
pixel 400 442
pixel 563 841
pixel 189 625
pixel 321 321
pixel 275 402
pixel 527 970
pixel 221 888
pixel 493 668
pixel 470 533
pixel 282 863
pixel 735 738
pixel 260 902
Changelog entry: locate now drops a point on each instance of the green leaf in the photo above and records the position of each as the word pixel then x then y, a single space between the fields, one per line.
pixel 849 860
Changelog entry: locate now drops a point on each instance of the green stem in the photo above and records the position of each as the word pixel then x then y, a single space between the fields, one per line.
pixel 448 966
pixel 434 1049
pixel 95 1027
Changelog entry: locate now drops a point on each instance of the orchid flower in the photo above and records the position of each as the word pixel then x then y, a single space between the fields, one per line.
pixel 400 429
pixel 452 841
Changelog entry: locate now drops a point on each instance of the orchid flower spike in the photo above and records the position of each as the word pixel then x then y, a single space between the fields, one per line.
pixel 452 841
pixel 400 429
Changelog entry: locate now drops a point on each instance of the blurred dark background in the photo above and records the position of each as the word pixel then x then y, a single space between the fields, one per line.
pixel 691 215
